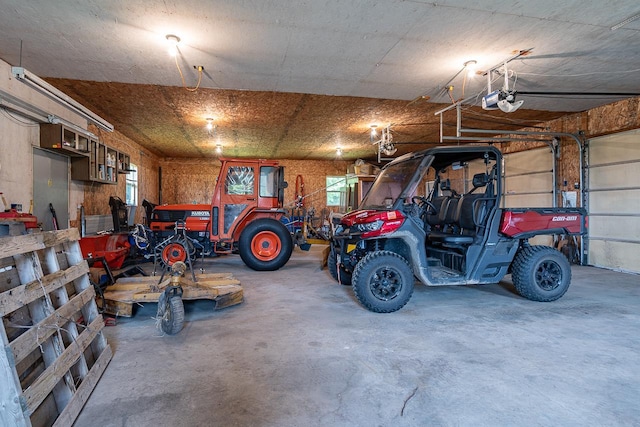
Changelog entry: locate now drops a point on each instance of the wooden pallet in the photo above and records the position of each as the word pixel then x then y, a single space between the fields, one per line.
pixel 54 348
pixel 222 288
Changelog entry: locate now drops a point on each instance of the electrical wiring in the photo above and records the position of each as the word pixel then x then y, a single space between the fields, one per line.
pixel 184 84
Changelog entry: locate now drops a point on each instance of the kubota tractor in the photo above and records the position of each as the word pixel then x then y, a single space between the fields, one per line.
pixel 244 217
pixel 414 223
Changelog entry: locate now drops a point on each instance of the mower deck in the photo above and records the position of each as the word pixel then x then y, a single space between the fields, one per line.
pixel 222 288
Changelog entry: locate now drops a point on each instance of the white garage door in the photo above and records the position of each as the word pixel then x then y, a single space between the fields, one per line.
pixel 614 201
pixel 528 179
pixel 527 182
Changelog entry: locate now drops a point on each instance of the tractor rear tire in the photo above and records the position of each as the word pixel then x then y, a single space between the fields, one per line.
pixel 541 273
pixel 265 245
pixel 383 281
pixel 332 265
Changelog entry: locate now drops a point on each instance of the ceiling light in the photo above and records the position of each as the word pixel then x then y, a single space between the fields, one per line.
pixel 218 149
pixel 373 130
pixel 625 22
pixel 470 66
pixel 338 152
pixel 209 123
pixel 173 41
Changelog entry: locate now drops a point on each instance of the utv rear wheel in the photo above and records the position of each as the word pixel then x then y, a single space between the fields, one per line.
pixel 265 245
pixel 334 270
pixel 541 273
pixel 383 281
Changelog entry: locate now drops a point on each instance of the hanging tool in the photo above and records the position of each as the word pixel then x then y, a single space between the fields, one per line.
pixel 299 191
pixel 54 217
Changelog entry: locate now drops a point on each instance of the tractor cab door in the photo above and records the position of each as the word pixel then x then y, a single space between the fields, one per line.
pixel 241 189
pixel 237 196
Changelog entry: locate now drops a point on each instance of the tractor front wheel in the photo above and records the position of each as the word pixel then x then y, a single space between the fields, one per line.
pixel 265 245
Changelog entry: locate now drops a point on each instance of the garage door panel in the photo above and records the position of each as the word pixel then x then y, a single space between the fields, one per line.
pixel 619 227
pixel 614 176
pixel 538 160
pixel 619 201
pixel 478 166
pixel 541 240
pixel 534 183
pixel 616 255
pixel 615 148
pixel 614 224
pixel 528 201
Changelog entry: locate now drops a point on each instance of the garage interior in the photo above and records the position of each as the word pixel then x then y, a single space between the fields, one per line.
pixel 333 91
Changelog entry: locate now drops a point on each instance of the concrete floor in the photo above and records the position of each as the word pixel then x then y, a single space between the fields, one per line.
pixel 300 351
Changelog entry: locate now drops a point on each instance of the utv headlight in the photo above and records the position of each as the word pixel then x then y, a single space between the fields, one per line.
pixel 368 226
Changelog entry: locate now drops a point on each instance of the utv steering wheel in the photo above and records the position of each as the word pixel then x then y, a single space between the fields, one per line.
pixel 423 202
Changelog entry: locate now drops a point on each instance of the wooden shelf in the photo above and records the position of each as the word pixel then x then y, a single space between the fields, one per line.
pixel 64 140
pixel 124 163
pixel 91 160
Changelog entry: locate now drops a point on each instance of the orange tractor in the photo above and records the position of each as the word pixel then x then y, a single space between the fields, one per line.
pixel 244 217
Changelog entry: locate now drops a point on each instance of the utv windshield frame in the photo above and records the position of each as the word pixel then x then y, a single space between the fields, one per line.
pixel 396 182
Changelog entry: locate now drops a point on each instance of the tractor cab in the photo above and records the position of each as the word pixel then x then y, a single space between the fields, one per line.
pixel 244 217
pixel 245 190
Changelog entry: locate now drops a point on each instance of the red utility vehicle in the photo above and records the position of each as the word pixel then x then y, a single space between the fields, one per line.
pixel 411 223
pixel 244 217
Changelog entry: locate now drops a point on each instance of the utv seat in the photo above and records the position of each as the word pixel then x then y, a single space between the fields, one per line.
pixel 445 210
pixel 470 214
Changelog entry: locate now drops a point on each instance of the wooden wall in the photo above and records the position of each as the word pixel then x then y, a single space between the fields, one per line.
pixel 188 180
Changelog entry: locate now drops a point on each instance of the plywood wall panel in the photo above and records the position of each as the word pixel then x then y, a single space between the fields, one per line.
pixel 616 117
pixel 189 180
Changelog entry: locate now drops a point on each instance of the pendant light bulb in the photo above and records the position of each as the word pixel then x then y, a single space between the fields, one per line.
pixel 173 41
pixel 470 67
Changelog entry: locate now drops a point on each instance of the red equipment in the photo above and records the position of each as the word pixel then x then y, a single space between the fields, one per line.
pixel 244 217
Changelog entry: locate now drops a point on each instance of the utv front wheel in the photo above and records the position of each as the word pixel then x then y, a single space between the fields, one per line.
pixel 541 273
pixel 383 281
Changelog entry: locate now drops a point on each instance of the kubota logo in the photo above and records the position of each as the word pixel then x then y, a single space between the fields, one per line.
pixel 200 213
pixel 564 218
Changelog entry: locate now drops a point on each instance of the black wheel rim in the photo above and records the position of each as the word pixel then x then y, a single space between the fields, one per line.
pixel 548 275
pixel 385 284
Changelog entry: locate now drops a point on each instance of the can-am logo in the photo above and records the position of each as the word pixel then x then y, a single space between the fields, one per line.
pixel 564 218
pixel 200 213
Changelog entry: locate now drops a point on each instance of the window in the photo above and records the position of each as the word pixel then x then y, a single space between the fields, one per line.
pixel 132 185
pixel 268 181
pixel 336 186
pixel 239 181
